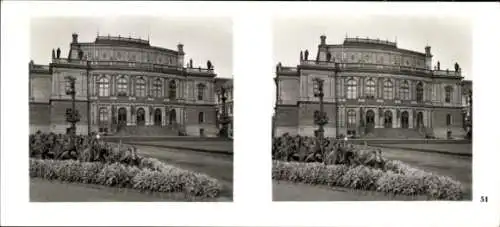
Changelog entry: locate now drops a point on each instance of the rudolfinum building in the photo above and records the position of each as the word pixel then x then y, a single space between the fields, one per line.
pixel 123 85
pixel 372 88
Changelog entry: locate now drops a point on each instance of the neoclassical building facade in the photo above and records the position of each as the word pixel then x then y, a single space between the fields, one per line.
pixel 123 83
pixel 375 87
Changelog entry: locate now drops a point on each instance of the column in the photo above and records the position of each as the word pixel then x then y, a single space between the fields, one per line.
pixel 163 116
pixel 361 87
pixel 129 85
pixel 165 87
pixel 410 118
pixel 394 118
pixel 425 113
pixel 377 117
pixel 110 116
pixel 113 85
pixel 147 117
pixel 342 89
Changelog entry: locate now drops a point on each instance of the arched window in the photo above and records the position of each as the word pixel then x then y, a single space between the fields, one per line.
pixel 172 90
pixel 404 91
pixel 140 87
pixel 448 120
pixel 103 86
pixel 388 94
pixel 370 89
pixel 122 86
pixel 201 91
pixel 352 89
pixel 351 119
pixel 103 114
pixel 420 92
pixel 157 88
pixel 448 94
pixel 201 117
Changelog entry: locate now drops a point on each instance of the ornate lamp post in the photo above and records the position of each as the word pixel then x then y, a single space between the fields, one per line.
pixel 224 119
pixel 470 114
pixel 337 93
pixel 320 117
pixel 72 116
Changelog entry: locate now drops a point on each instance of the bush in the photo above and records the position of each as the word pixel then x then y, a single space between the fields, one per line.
pixel 398 178
pixel 151 176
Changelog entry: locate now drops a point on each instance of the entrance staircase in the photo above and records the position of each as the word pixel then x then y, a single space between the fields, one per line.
pixel 148 131
pixel 395 133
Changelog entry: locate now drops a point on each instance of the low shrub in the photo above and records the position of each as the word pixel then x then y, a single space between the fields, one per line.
pixel 397 178
pixel 151 176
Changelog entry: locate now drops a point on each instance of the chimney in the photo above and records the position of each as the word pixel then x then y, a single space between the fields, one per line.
pixel 323 39
pixel 75 38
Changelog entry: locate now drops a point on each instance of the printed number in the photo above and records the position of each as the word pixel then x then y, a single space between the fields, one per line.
pixel 484 199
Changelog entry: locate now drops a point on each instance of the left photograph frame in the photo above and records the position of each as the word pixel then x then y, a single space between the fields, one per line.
pixel 131 109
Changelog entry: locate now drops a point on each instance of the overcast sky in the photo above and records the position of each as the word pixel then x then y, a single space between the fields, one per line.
pixel 203 38
pixel 450 38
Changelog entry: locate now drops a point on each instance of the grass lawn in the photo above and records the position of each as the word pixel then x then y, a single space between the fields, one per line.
pixel 205 145
pixel 456 167
pixel 55 191
pixel 452 148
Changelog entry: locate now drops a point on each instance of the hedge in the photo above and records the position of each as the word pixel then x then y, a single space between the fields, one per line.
pixel 150 175
pixel 396 177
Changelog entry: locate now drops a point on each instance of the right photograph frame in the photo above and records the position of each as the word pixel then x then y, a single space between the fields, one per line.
pixel 372 108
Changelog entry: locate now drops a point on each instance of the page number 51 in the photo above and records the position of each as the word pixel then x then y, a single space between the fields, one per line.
pixel 484 199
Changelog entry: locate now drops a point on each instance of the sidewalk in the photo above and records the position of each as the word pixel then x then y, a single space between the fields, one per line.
pixel 448 149
pixel 180 147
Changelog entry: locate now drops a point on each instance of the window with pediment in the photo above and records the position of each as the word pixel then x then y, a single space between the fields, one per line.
pixel 103 86
pixel 122 85
pixel 388 90
pixel 448 94
pixel 157 88
pixel 352 91
pixel 404 91
pixel 201 91
pixel 140 87
pixel 172 90
pixel 370 89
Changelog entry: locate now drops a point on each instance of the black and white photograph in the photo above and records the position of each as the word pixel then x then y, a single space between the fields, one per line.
pixel 352 114
pixel 372 108
pixel 130 109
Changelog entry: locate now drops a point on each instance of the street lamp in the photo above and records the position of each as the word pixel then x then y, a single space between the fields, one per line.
pixel 337 92
pixel 320 117
pixel 224 119
pixel 72 116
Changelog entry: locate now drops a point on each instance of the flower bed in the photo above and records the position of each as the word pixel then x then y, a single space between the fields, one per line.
pixel 96 162
pixel 338 164
pixel 401 179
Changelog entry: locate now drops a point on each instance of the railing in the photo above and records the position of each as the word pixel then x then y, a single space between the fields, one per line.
pixel 199 70
pixel 446 73
pixel 119 38
pixel 371 41
pixel 131 65
pixel 367 66
pixel 288 69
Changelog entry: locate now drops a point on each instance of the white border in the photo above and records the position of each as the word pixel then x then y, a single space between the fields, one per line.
pixel 253 72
